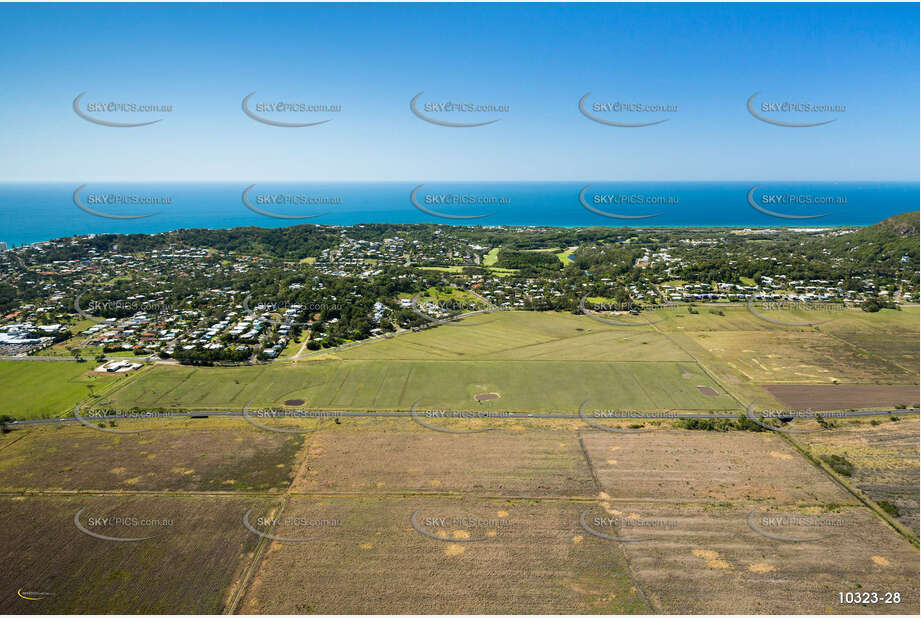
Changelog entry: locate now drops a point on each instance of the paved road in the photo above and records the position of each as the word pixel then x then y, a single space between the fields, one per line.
pixel 505 415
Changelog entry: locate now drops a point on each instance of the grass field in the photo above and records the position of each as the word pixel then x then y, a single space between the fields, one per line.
pixel 492 257
pixel 534 361
pixel 37 389
pixel 853 347
pixel 551 386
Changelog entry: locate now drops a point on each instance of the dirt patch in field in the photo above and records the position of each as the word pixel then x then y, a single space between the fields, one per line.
pixel 708 391
pixel 842 396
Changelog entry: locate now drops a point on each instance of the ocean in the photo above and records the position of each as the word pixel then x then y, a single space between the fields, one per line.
pixel 37 212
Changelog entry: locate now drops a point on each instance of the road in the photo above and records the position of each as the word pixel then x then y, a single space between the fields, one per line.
pixel 505 415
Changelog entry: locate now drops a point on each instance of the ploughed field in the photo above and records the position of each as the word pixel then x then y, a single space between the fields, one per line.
pixel 454 515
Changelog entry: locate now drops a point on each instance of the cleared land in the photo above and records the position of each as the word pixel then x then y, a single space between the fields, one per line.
pixel 174 455
pixel 526 336
pixel 885 459
pixel 843 396
pixel 539 561
pixel 853 347
pixel 187 567
pixel 519 488
pixel 512 459
pixel 706 466
pixel 711 561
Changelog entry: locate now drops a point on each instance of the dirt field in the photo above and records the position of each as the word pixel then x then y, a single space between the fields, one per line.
pixel 706 466
pixel 174 455
pixel 843 396
pixel 539 562
pixel 508 460
pixel 711 561
pixel 387 515
pixel 799 357
pixel 187 566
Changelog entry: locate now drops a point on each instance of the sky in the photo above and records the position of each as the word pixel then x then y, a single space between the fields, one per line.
pixel 536 59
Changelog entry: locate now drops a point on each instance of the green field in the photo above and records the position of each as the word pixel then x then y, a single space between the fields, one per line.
pixel 540 362
pixel 36 389
pixel 535 362
pixel 551 386
pixel 492 257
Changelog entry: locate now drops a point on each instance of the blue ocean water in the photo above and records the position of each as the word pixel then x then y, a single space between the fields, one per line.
pixel 36 212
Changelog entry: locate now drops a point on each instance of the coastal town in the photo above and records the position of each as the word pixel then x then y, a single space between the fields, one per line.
pixel 78 298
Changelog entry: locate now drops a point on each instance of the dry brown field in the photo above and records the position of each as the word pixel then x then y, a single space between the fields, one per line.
pixel 187 566
pixel 885 458
pixel 843 396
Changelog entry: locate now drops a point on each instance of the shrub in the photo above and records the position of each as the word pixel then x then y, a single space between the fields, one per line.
pixel 839 464
pixel 889 508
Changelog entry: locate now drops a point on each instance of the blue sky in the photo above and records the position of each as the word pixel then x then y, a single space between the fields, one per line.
pixel 537 59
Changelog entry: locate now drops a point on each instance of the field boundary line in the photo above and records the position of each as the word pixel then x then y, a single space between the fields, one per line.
pixel 259 552
pixel 236 595
pixel 584 499
pixel 588 462
pixel 854 491
pixel 703 368
pixel 12 442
